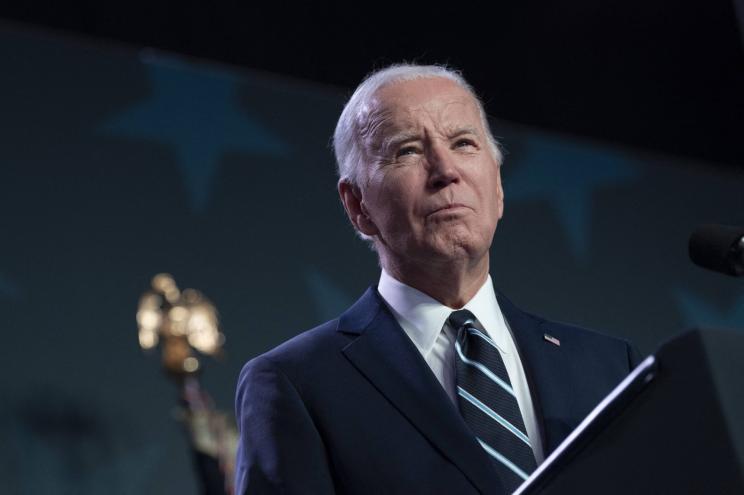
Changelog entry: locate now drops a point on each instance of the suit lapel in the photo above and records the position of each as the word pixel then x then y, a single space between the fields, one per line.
pixel 542 362
pixel 385 355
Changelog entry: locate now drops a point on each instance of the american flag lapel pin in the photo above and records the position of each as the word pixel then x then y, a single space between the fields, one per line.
pixel 552 339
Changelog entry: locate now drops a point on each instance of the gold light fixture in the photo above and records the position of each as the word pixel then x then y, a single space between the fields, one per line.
pixel 185 325
pixel 181 322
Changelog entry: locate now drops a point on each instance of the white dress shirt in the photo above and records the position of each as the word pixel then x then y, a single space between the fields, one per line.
pixel 424 320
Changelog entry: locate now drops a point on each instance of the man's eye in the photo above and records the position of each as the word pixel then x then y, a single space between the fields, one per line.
pixel 462 143
pixel 407 150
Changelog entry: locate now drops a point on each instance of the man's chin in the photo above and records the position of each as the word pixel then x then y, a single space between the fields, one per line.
pixel 458 248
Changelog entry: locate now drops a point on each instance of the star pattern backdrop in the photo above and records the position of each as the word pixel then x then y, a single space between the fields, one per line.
pixel 195 114
pixel 118 165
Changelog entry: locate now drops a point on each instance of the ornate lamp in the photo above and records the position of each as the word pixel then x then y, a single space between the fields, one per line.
pixel 186 326
pixel 183 321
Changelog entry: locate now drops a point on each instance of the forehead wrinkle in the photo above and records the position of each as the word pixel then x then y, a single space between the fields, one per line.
pixel 465 119
pixel 387 125
pixel 468 118
pixel 392 120
pixel 372 120
pixel 372 124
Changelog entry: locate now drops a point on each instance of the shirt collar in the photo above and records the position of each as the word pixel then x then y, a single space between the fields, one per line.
pixel 423 317
pixel 485 307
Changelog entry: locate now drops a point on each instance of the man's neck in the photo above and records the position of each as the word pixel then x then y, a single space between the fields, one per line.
pixel 452 284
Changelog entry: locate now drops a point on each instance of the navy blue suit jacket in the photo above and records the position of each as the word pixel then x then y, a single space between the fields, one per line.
pixel 352 407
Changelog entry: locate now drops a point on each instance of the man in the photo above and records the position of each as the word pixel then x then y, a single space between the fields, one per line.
pixel 403 393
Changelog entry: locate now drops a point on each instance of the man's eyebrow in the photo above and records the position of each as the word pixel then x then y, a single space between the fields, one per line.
pixel 397 138
pixel 461 131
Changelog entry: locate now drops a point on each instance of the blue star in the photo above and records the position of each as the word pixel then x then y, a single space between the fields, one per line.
pixel 196 113
pixel 698 313
pixel 567 174
pixel 330 301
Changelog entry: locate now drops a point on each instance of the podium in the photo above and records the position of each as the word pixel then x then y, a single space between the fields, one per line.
pixel 673 426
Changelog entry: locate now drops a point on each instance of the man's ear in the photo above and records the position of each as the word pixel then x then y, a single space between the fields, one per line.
pixel 351 197
pixel 500 193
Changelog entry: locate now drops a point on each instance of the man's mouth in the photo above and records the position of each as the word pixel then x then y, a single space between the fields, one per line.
pixel 449 208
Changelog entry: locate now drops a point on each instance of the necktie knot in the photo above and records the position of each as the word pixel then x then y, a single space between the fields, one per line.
pixel 461 318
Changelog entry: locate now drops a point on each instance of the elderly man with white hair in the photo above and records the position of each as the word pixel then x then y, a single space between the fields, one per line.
pixel 432 382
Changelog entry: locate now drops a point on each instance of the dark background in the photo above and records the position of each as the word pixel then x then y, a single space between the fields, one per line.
pixel 652 74
pixel 118 160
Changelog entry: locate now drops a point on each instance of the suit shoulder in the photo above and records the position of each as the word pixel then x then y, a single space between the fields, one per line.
pixel 587 342
pixel 559 327
pixel 302 352
pixel 594 343
pixel 583 332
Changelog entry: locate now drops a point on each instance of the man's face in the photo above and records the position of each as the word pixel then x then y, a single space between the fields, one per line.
pixel 432 187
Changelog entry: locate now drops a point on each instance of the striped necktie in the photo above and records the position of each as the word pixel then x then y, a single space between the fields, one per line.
pixel 487 401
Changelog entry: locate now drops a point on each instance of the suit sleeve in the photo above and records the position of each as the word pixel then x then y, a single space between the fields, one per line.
pixel 280 450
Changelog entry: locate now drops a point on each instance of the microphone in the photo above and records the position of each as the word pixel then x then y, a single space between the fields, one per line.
pixel 719 248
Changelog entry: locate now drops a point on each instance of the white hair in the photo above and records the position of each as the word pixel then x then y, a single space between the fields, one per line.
pixel 354 123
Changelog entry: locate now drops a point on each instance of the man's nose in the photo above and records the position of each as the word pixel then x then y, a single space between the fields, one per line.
pixel 443 168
